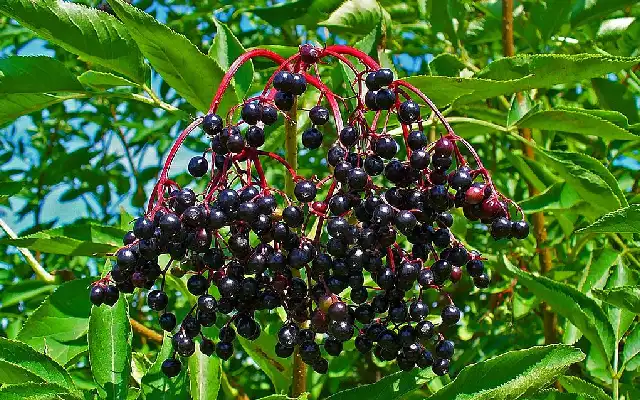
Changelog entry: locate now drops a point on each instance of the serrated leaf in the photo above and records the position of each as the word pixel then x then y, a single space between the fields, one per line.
pixel 575 121
pixel 109 340
pixel 567 301
pixel 516 74
pixel 103 80
pixel 225 49
pixel 60 324
pixel 155 385
pixel 552 394
pixel 11 295
pixel 303 396
pixel 627 297
pixel 74 239
pixel 93 35
pixel 355 16
pixel 14 105
pixel 624 220
pixel 511 375
pixel 390 387
pixel 20 363
pixel 369 43
pixel 558 196
pixel 576 385
pixel 193 75
pixel 204 376
pixel 25 75
pixel 36 391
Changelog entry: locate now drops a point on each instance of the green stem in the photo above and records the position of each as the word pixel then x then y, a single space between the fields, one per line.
pixel 299 378
pixel 31 260
pixel 616 378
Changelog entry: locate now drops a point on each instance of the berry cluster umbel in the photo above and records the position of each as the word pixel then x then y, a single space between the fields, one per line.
pixel 387 222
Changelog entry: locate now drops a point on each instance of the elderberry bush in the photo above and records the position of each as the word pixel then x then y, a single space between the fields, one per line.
pixel 349 256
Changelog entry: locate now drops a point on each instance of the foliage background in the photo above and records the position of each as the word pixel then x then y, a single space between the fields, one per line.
pixel 87 122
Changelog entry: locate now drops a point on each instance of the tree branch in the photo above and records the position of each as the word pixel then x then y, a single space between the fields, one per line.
pixel 539 230
pixel 144 331
pixel 37 268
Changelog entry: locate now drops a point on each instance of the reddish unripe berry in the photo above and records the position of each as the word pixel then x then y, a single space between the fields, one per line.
pixel 491 207
pixel 474 195
pixel 456 274
pixel 444 147
pixel 319 207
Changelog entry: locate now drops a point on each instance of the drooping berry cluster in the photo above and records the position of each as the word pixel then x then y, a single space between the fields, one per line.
pixel 355 263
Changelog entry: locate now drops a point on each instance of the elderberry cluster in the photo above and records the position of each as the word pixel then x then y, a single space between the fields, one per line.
pixel 355 262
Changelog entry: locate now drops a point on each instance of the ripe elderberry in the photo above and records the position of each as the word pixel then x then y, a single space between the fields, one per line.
pixel 249 241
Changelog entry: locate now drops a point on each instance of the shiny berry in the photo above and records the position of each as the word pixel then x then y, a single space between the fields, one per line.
pixel 319 115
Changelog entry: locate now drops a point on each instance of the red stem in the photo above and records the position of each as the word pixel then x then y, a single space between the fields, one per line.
pixel 233 69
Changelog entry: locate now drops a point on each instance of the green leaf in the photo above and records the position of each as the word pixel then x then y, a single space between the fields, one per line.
pixel 93 35
pixel 155 385
pixel 598 271
pixel 581 310
pixel 519 109
pixel 620 317
pixel 390 387
pixel 23 291
pixel 25 75
pixel 110 348
pixel 575 121
pixel 548 17
pixel 585 11
pixel 630 391
pixel 516 74
pixel 303 396
pixel 36 391
pixel 262 351
pixel 558 196
pixel 442 18
pixel 192 74
pixel 624 220
pixel 20 363
pixel 9 189
pixel 617 97
pixel 446 65
pixel 576 385
pixel 204 376
pixel 511 375
pixel 551 394
pixel 519 162
pixel 631 349
pixel 627 297
pixel 14 105
pixel 355 16
pixel 369 43
pixel 225 49
pixel 60 324
pixel 587 176
pixel 103 80
pixel 303 12
pixel 77 239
